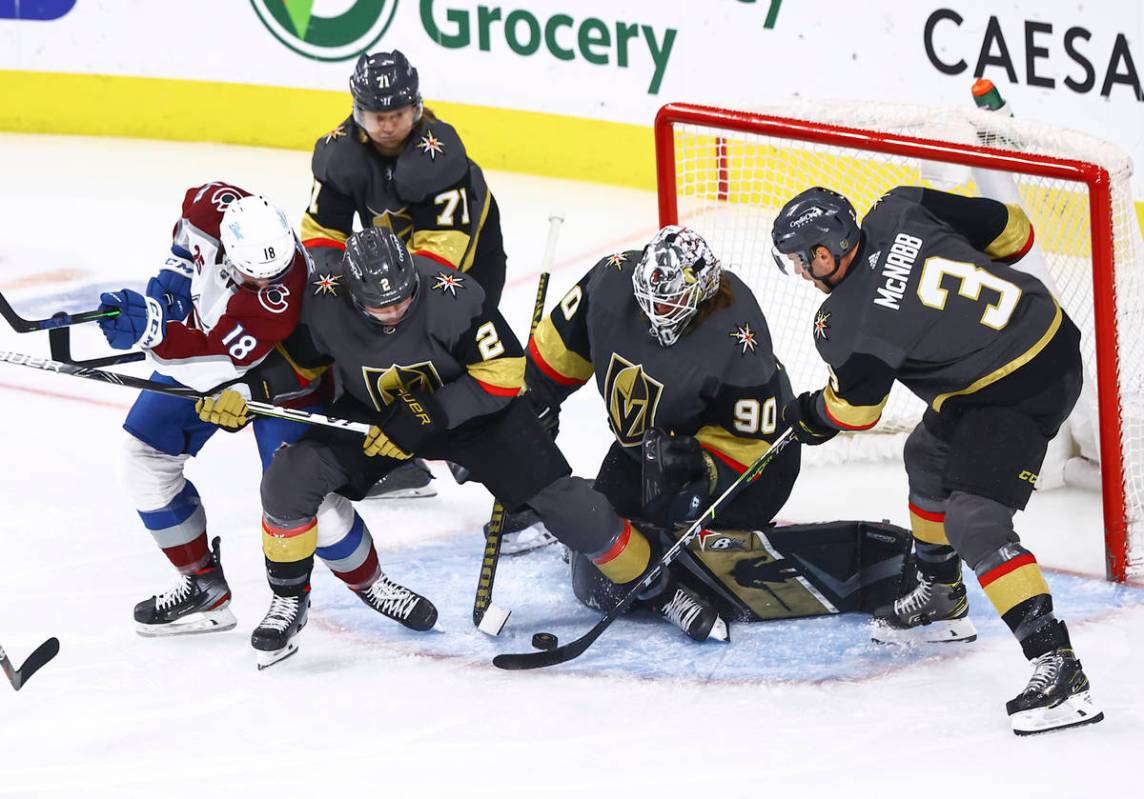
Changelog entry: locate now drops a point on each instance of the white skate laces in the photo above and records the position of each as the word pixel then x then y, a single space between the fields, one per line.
pixel 682 610
pixel 175 595
pixel 391 599
pixel 913 602
pixel 282 611
pixel 1045 669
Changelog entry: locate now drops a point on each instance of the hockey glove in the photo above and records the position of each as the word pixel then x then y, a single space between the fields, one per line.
pixel 172 288
pixel 141 320
pixel 414 421
pixel 227 409
pixel 378 443
pixel 678 477
pixel 801 413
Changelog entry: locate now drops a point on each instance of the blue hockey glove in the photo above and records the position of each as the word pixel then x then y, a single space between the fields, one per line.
pixel 172 288
pixel 141 320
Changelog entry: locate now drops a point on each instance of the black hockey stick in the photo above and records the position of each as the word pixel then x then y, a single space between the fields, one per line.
pixel 483 601
pixel 22 325
pixel 44 652
pixel 260 408
pixel 566 652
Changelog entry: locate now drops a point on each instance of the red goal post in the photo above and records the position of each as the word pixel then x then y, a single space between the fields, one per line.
pixel 727 173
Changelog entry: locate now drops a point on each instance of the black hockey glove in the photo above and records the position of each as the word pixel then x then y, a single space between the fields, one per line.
pixel 801 413
pixel 414 421
pixel 678 477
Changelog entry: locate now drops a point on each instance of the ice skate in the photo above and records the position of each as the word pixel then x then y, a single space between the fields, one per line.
pixel 411 480
pixel 1056 697
pixel 691 613
pixel 933 612
pixel 276 636
pixel 197 604
pixel 522 532
pixel 399 603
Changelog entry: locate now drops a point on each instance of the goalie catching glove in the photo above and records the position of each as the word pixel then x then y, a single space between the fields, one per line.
pixel 414 421
pixel 802 414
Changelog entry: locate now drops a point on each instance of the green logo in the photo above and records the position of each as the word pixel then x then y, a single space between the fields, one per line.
pixel 335 38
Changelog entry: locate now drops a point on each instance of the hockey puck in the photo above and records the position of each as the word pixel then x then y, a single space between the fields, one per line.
pixel 544 641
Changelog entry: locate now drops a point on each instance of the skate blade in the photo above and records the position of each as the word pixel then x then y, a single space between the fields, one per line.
pixel 404 493
pixel 719 631
pixel 939 632
pixel 212 621
pixel 267 659
pixel 527 540
pixel 1073 712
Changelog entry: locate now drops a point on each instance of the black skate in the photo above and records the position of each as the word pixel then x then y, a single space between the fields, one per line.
pixel 522 532
pixel 411 480
pixel 399 603
pixel 690 612
pixel 275 638
pixel 197 604
pixel 1056 697
pixel 932 612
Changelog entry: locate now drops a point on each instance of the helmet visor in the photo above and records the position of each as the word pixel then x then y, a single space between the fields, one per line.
pixel 792 263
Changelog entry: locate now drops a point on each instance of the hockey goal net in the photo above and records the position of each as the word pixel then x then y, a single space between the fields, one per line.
pixel 727 173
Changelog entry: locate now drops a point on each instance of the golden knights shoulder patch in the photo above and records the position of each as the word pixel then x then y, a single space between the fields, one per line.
pixel 327 284
pixel 745 338
pixel 447 282
pixel 431 146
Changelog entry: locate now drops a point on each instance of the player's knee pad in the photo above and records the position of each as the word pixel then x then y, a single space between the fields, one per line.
pixel 978 526
pixel 335 519
pixel 292 486
pixel 153 478
pixel 996 452
pixel 578 515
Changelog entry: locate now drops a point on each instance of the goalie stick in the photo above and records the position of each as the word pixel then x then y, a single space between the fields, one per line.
pixel 487 617
pixel 260 408
pixel 43 653
pixel 566 652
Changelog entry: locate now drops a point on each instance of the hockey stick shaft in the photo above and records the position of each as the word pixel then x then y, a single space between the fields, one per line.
pixel 35 661
pixel 260 408
pixel 566 652
pixel 22 325
pixel 491 557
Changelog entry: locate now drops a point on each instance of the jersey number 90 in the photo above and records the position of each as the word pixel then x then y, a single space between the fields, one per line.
pixel 752 416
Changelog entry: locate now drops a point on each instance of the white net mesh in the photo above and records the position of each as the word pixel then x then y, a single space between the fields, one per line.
pixel 730 184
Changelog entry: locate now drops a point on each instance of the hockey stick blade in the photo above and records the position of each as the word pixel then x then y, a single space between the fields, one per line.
pixel 22 325
pixel 566 652
pixel 35 661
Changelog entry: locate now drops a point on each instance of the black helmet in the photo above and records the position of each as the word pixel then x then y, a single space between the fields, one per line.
pixel 384 82
pixel 817 217
pixel 378 269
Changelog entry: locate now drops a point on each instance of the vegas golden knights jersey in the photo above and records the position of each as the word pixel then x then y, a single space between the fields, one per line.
pixel 431 194
pixel 445 344
pixel 720 382
pixel 931 300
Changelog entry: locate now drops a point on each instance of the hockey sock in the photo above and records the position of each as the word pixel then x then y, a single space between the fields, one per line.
pixel 179 528
pixel 353 558
pixel 289 578
pixel 1014 584
pixel 939 562
pixel 626 557
pixel 289 549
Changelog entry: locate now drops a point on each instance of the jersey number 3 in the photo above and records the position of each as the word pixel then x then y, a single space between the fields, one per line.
pixel 973 278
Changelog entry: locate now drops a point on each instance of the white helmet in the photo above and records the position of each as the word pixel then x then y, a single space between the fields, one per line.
pixel 676 274
pixel 257 240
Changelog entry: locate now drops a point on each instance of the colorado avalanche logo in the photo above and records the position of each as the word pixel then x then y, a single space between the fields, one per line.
pixel 274 298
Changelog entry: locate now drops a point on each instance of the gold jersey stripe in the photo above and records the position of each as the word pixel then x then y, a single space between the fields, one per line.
pixel 1010 590
pixel 855 417
pixel 928 531
pixel 631 559
pixel 1010 367
pixel 743 451
pixel 309 374
pixel 471 252
pixel 312 230
pixel 507 373
pixel 556 356
pixel 448 244
pixel 1013 238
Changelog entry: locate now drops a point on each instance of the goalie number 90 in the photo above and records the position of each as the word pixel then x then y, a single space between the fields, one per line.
pixel 752 416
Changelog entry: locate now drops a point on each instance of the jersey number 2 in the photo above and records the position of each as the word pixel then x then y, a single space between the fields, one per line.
pixel 973 278
pixel 488 342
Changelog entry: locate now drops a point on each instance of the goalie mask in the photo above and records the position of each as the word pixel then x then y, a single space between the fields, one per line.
pixel 257 240
pixel 676 274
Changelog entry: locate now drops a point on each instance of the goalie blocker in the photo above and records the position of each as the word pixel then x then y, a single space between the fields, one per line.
pixel 780 572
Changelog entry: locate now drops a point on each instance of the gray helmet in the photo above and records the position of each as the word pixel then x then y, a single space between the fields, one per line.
pixel 817 217
pixel 378 269
pixel 675 275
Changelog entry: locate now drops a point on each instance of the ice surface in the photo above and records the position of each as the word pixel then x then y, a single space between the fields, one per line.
pixel 366 706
